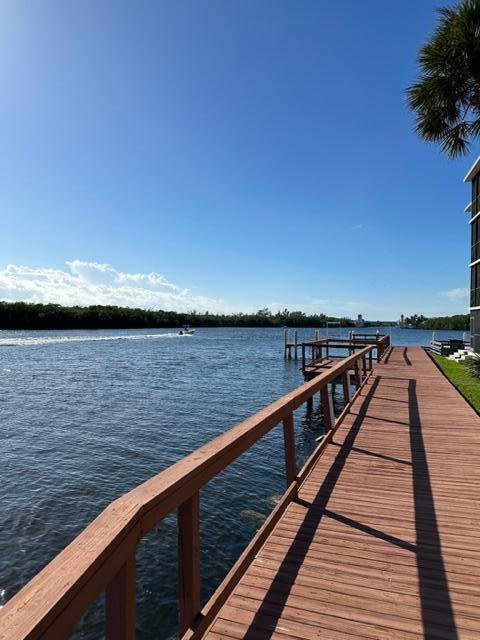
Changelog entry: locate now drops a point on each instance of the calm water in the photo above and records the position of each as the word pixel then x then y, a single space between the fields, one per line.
pixel 86 416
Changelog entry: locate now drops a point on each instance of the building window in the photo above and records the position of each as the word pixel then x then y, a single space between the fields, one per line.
pixel 475 286
pixel 475 195
pixel 475 240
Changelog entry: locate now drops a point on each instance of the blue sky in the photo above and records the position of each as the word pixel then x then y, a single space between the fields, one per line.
pixel 224 154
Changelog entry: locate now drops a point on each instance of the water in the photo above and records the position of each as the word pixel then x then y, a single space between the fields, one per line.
pixel 87 416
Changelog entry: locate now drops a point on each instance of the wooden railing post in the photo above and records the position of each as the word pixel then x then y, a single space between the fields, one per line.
pixel 358 373
pixel 364 366
pixel 120 603
pixel 370 360
pixel 346 387
pixel 290 455
pixel 188 561
pixel 327 408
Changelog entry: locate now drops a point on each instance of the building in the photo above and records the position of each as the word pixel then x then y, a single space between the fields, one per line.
pixel 359 322
pixel 473 208
pixel 401 323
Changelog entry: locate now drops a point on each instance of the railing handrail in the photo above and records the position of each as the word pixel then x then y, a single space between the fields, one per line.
pixel 50 605
pixel 368 338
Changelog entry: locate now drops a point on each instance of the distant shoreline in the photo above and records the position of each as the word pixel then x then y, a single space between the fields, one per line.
pixel 32 316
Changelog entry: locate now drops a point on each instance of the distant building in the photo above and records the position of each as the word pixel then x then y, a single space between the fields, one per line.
pixel 401 323
pixel 359 322
pixel 473 208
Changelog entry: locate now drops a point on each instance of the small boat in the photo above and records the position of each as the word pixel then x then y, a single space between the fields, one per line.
pixel 186 331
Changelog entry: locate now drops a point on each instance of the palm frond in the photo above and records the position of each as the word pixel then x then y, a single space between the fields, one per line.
pixel 446 96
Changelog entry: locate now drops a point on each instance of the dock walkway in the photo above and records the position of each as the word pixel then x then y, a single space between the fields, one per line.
pixel 377 536
pixel 383 540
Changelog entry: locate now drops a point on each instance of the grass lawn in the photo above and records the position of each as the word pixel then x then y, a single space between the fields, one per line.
pixel 461 378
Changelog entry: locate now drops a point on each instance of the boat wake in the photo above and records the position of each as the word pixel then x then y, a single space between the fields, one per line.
pixel 25 341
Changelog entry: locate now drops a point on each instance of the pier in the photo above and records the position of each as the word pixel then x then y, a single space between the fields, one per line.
pixel 324 353
pixel 290 343
pixel 319 345
pixel 375 537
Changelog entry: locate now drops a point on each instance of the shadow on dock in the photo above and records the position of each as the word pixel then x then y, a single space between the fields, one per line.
pixel 430 564
pixel 278 592
pixel 435 602
pixel 406 358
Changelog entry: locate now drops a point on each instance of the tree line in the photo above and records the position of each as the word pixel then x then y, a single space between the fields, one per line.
pixel 25 315
pixel 460 322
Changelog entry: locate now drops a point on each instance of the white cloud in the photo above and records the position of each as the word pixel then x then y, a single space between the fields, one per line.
pixel 106 274
pixel 85 283
pixel 460 293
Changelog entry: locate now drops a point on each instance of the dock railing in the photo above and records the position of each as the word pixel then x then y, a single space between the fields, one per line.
pixel 103 557
pixel 322 348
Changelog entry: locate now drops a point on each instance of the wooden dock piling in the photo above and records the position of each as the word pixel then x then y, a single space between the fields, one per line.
pixel 290 344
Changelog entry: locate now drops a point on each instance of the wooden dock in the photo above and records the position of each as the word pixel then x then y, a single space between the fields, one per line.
pixel 326 352
pixel 383 540
pixel 376 537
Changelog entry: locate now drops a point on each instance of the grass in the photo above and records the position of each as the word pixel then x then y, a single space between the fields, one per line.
pixel 461 378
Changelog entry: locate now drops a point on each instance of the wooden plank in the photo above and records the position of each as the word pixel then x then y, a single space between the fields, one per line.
pixel 358 373
pixel 289 446
pixel 327 409
pixel 188 562
pixel 379 588
pixel 364 365
pixel 346 386
pixel 354 602
pixel 120 604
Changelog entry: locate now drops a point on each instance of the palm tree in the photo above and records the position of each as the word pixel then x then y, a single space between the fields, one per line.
pixel 446 98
